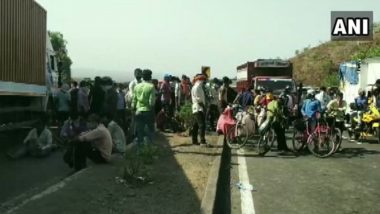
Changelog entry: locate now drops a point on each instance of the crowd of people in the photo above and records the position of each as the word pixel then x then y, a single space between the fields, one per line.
pixel 100 119
pixel 96 120
pixel 332 103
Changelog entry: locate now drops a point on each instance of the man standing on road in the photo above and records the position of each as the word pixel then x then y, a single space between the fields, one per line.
pixel 276 116
pixel 121 105
pixel 132 85
pixel 111 100
pixel 223 93
pixel 213 110
pixel 143 104
pixel 199 121
pixel 336 108
pixel 74 97
pixel 323 98
pixel 310 108
pixel 166 91
pixel 96 97
pixel 83 103
pixel 177 93
pixel 63 99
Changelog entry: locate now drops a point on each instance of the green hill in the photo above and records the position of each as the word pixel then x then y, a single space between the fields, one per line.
pixel 319 65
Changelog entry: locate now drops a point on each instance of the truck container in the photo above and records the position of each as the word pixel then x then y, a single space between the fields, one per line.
pixel 23 42
pixel 27 61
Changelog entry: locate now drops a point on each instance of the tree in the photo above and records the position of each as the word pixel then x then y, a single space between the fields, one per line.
pixel 331 80
pixel 64 61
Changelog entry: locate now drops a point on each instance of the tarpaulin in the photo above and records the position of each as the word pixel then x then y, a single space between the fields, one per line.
pixel 348 72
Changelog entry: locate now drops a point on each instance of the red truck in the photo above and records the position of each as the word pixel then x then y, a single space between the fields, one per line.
pixel 272 74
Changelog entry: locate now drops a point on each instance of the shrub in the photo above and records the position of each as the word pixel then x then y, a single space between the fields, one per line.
pixel 186 115
pixel 331 80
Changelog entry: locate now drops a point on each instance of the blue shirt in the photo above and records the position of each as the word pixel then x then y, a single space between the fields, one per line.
pixel 311 107
pixel 246 99
pixel 361 102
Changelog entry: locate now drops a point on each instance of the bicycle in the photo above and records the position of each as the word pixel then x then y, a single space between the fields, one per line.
pixel 332 123
pixel 242 133
pixel 321 138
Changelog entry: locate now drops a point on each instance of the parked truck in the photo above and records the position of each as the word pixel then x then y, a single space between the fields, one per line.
pixel 272 74
pixel 28 68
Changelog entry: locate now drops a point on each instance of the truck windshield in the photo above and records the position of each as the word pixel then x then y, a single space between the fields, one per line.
pixel 276 84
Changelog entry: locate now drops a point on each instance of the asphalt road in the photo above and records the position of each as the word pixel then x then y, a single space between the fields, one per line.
pixel 28 174
pixel 347 182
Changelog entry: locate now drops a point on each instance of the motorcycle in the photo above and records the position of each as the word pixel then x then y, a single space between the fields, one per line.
pixel 365 124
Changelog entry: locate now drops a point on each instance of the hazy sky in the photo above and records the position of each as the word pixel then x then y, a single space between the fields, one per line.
pixel 113 37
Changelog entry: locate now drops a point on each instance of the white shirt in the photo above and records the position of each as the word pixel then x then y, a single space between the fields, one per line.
pixel 290 101
pixel 132 86
pixel 198 96
pixel 44 141
pixel 323 98
pixel 118 137
pixel 101 140
pixel 177 90
pixel 214 95
pixel 224 97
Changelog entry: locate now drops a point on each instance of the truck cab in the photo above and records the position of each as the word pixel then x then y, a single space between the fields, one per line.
pixel 275 74
pixel 277 84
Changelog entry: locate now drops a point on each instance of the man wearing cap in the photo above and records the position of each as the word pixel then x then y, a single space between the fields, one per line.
pixel 143 104
pixel 361 101
pixel 310 108
pixel 199 99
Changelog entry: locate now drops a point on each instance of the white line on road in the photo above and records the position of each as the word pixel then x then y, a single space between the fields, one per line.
pixel 247 206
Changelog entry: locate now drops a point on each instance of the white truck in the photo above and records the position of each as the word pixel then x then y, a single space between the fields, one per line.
pixel 353 79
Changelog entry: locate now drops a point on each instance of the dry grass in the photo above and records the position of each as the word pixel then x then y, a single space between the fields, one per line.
pixel 313 65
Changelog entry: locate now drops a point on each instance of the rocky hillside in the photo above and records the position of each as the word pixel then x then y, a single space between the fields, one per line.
pixel 318 65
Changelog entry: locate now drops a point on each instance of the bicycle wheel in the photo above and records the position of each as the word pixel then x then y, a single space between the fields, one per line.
pixel 321 144
pixel 298 141
pixel 263 143
pixel 337 137
pixel 237 136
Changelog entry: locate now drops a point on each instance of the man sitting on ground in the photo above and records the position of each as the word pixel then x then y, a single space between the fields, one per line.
pixel 95 144
pixel 118 136
pixel 38 142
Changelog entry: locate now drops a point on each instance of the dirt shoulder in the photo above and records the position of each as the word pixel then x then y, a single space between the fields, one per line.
pixel 174 183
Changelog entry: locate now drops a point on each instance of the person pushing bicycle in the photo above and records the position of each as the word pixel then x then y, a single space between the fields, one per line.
pixel 336 108
pixel 311 109
pixel 275 114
